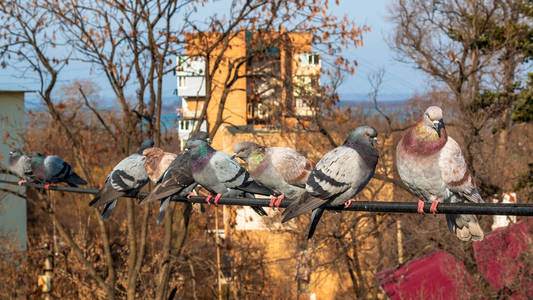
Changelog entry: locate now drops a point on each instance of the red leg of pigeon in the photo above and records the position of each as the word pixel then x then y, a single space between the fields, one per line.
pixel 349 202
pixel 190 195
pixel 280 198
pixel 208 198
pixel 48 185
pixel 433 208
pixel 272 200
pixel 217 198
pixel 22 181
pixel 420 206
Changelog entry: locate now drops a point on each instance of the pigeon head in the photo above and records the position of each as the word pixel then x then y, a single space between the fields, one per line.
pixel 15 153
pixel 201 135
pixel 197 148
pixel 433 118
pixel 364 134
pixel 244 149
pixel 146 144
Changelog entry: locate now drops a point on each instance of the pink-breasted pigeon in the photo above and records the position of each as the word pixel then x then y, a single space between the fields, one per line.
pixel 432 166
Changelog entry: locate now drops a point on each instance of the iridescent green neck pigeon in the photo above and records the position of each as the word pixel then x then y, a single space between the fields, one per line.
pixel 432 166
pixel 338 177
pixel 51 169
pixel 221 174
pixel 176 179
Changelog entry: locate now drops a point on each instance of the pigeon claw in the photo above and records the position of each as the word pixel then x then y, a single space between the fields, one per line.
pixel 208 198
pixel 191 195
pixel 217 198
pixel 22 181
pixel 420 206
pixel 48 185
pixel 272 200
pixel 279 199
pixel 433 208
pixel 349 202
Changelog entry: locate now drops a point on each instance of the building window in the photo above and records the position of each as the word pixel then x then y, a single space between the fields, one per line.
pixel 182 81
pixel 313 59
pixel 186 125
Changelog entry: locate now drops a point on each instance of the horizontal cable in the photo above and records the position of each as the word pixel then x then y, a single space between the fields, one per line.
pixel 511 209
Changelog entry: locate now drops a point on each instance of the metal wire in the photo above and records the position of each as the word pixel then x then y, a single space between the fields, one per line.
pixel 510 209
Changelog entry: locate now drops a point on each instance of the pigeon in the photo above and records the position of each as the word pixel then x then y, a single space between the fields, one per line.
pixel 338 177
pixel 221 174
pixel 51 169
pixel 156 162
pixel 176 179
pixel 126 179
pixel 432 166
pixel 281 169
pixel 20 165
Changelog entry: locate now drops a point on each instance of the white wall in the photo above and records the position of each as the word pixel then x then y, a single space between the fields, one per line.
pixel 12 208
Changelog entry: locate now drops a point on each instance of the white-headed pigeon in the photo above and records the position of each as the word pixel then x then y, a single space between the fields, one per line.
pixel 432 166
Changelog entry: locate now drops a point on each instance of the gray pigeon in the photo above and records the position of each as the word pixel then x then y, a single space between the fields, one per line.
pixel 20 165
pixel 51 169
pixel 338 177
pixel 432 166
pixel 281 169
pixel 126 179
pixel 176 179
pixel 221 174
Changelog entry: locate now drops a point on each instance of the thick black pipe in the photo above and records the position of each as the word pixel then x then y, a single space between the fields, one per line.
pixel 511 209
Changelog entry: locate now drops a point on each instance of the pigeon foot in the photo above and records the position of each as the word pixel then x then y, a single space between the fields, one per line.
pixel 208 198
pixel 217 198
pixel 279 199
pixel 22 181
pixel 420 206
pixel 272 200
pixel 433 208
pixel 190 195
pixel 348 202
pixel 48 185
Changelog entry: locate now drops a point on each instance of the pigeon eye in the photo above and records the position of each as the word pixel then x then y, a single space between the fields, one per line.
pixel 367 134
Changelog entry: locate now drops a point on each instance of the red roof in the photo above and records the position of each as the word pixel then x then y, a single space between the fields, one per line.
pixel 503 260
pixel 437 275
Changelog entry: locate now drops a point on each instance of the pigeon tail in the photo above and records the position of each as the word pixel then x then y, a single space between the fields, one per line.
pixel 74 179
pixel 108 210
pixel 255 188
pixel 162 210
pixel 465 227
pixel 105 195
pixel 315 217
pixel 305 203
pixel 260 211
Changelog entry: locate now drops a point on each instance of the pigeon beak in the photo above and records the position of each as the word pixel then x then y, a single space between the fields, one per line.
pixel 234 155
pixel 375 140
pixel 438 125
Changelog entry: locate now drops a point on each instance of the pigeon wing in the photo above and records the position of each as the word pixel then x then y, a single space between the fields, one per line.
pixel 228 171
pixel 333 174
pixel 455 174
pixel 293 166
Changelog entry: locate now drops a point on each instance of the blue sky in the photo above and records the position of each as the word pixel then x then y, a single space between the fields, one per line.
pixel 401 80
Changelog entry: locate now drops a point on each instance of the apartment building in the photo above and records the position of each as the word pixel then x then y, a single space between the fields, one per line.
pixel 263 79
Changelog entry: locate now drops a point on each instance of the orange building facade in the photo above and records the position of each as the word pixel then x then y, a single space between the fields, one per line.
pixel 260 78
